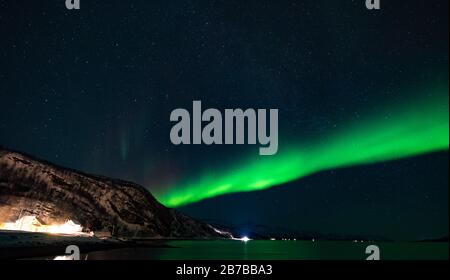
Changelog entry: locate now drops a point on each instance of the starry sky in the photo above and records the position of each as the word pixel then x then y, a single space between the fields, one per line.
pixel 93 90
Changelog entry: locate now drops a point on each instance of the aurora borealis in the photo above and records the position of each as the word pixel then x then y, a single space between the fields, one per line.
pixel 362 100
pixel 422 127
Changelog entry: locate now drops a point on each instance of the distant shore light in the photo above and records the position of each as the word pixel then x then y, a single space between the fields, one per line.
pixel 243 239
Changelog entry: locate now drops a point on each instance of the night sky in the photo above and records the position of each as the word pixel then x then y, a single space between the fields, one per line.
pixel 93 90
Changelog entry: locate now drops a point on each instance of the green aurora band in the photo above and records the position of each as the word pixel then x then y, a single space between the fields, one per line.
pixel 418 128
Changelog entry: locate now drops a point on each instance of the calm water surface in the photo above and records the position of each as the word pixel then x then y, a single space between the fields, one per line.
pixel 275 250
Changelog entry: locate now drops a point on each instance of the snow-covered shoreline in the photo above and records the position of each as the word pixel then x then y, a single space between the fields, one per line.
pixel 18 244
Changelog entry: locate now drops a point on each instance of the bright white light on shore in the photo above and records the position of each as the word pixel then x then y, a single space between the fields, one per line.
pixel 32 224
pixel 244 239
pixel 63 258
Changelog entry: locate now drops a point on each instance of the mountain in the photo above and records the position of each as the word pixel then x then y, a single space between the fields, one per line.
pixel 31 187
pixel 442 239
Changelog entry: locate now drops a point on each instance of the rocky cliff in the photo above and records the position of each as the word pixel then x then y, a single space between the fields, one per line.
pixel 54 195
